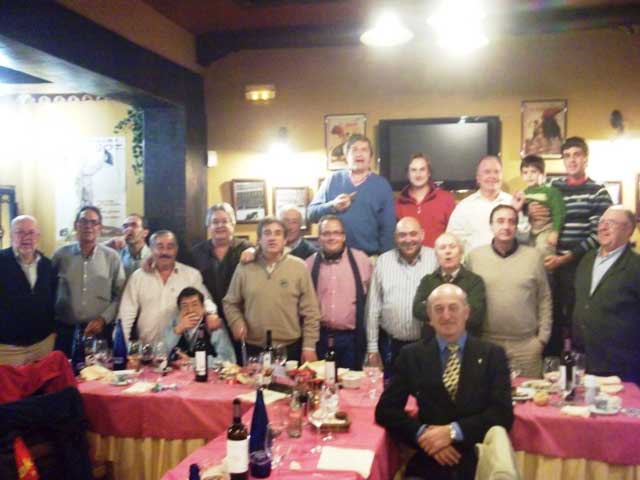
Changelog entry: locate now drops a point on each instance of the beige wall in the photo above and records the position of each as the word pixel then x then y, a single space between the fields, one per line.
pixel 34 137
pixel 141 24
pixel 595 71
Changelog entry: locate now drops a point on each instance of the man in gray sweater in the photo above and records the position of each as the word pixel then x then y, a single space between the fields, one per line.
pixel 518 295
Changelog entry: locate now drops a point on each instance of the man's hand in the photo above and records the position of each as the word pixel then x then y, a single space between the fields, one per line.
pixel 213 321
pixel 187 322
pixel 147 264
pixel 239 331
pixel 308 356
pixel 447 456
pixel 95 327
pixel 435 438
pixel 518 200
pixel 374 359
pixel 551 262
pixel 539 214
pixel 552 239
pixel 343 201
pixel 248 255
pixel 117 243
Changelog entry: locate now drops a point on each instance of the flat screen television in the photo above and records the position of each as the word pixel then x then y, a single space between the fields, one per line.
pixel 455 144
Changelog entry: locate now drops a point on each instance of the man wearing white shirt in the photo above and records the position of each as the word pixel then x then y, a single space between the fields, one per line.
pixel 470 219
pixel 151 296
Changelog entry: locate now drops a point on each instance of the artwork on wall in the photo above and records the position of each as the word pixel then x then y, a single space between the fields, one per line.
pixel 615 191
pixel 249 199
pixel 296 196
pixel 337 130
pixel 544 127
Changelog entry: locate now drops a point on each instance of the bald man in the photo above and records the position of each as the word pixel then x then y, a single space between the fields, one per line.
pixel 390 323
pixel 294 221
pixel 462 387
pixel 27 296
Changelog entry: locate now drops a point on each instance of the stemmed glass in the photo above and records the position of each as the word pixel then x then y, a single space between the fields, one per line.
pixel 373 373
pixel 160 356
pixel 316 418
pixel 280 360
pixel 102 353
pixel 277 424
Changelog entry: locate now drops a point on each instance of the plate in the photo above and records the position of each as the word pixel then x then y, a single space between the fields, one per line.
pixel 537 384
pixel 121 382
pixel 611 388
pixel 522 394
pixel 598 411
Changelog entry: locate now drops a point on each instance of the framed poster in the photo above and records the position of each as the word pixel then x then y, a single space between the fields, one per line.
pixel 615 191
pixel 337 130
pixel 249 200
pixel 291 196
pixel 544 127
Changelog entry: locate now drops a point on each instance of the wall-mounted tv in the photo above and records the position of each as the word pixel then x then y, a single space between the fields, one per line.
pixel 455 144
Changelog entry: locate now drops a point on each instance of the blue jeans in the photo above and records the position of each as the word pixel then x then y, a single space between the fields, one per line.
pixel 344 342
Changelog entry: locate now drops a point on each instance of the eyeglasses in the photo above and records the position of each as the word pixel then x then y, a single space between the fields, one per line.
pixel 332 233
pixel 220 222
pixel 610 223
pixel 87 222
pixel 25 233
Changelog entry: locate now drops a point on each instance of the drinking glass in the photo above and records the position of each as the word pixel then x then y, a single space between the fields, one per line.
pixel 102 353
pixel 551 372
pixel 373 373
pixel 316 417
pixel 160 355
pixel 277 424
pixel 580 367
pixel 254 366
pixel 279 360
pixel 147 354
pixel 89 350
pixel 135 355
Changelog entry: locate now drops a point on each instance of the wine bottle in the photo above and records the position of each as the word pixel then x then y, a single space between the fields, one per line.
pixel 567 364
pixel 77 351
pixel 267 353
pixel 200 354
pixel 119 347
pixel 330 367
pixel 237 446
pixel 259 455
pixel 194 471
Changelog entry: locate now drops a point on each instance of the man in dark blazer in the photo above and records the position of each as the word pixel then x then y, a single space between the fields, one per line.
pixel 27 296
pixel 455 414
pixel 606 318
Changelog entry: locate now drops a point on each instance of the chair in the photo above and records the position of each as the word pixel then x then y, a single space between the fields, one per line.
pixel 496 459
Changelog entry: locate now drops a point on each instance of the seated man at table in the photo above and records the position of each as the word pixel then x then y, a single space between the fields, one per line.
pixel 462 387
pixel 182 333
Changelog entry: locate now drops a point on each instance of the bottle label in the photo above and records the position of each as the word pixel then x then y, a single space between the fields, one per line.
pixel 238 455
pixel 330 372
pixel 266 360
pixel 201 363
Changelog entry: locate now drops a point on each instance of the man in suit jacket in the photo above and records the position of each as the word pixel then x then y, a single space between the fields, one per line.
pixel 455 410
pixel 606 318
pixel 27 296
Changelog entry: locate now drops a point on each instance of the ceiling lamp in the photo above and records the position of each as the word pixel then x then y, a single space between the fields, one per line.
pixel 259 93
pixel 459 25
pixel 387 31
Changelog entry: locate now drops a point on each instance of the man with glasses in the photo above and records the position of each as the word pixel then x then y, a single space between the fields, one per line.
pixel 27 295
pixel 90 282
pixel 607 310
pixel 340 276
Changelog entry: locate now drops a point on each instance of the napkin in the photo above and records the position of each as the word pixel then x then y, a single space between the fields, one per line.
pixel 94 372
pixel 349 459
pixel 140 387
pixel 612 380
pixel 269 396
pixel 576 411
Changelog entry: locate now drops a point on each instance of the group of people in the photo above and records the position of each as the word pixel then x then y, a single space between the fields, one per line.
pixel 446 298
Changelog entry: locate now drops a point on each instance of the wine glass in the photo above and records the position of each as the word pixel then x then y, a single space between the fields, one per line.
pixel 147 354
pixel 277 424
pixel 580 367
pixel 279 360
pixel 160 355
pixel 135 355
pixel 316 417
pixel 102 353
pixel 373 373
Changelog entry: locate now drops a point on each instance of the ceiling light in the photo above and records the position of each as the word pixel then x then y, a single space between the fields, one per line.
pixel 459 25
pixel 387 31
pixel 259 93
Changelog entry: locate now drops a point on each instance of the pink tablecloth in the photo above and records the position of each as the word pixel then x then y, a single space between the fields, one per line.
pixel 364 434
pixel 195 410
pixel 611 439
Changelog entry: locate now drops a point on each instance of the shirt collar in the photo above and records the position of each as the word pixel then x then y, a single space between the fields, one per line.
pixel 16 253
pixel 509 252
pixel 78 251
pixel 612 253
pixel 454 275
pixel 296 244
pixel 576 181
pixel 442 343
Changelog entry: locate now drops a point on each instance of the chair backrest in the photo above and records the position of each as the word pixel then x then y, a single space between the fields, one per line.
pixel 496 459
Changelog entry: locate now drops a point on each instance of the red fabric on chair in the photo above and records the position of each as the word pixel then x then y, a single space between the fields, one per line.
pixel 51 374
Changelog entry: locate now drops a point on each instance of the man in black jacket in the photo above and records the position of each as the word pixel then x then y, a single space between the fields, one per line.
pixel 462 387
pixel 27 296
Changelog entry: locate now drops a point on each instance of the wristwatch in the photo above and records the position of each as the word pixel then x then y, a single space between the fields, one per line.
pixel 452 432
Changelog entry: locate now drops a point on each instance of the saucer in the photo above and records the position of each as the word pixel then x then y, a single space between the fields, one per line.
pixel 599 411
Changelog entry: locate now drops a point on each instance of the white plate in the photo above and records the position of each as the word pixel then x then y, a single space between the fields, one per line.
pixel 523 393
pixel 121 383
pixel 537 384
pixel 598 411
pixel 611 388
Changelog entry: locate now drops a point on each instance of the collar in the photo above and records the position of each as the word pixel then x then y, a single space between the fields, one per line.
pixel 454 275
pixel 509 252
pixel 36 257
pixel 612 253
pixel 78 251
pixel 442 343
pixel 333 258
pixel 360 182
pixel 263 261
pixel 137 256
pixel 405 194
pixel 402 260
pixel 575 182
pixel 296 244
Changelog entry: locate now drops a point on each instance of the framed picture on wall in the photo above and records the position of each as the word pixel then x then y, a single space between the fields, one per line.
pixel 337 130
pixel 544 127
pixel 249 199
pixel 615 191
pixel 295 196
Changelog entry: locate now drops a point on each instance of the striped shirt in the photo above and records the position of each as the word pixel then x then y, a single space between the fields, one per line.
pixel 393 286
pixel 584 205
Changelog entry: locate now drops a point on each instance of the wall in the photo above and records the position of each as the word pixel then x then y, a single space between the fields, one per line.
pixel 33 139
pixel 596 71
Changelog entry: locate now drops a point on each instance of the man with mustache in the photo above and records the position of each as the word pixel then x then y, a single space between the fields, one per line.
pixel 151 296
pixel 362 199
pixel 518 295
pixel 27 296
pixel 340 276
pixel 275 293
pixel 393 285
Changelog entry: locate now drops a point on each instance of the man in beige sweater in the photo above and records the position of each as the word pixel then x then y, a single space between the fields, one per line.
pixel 274 293
pixel 518 295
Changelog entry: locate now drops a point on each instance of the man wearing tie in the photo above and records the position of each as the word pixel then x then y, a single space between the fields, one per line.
pixel 462 387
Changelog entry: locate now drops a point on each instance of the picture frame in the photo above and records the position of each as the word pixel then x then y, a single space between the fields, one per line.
pixel 638 197
pixel 249 199
pixel 337 130
pixel 543 127
pixel 296 196
pixel 614 187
